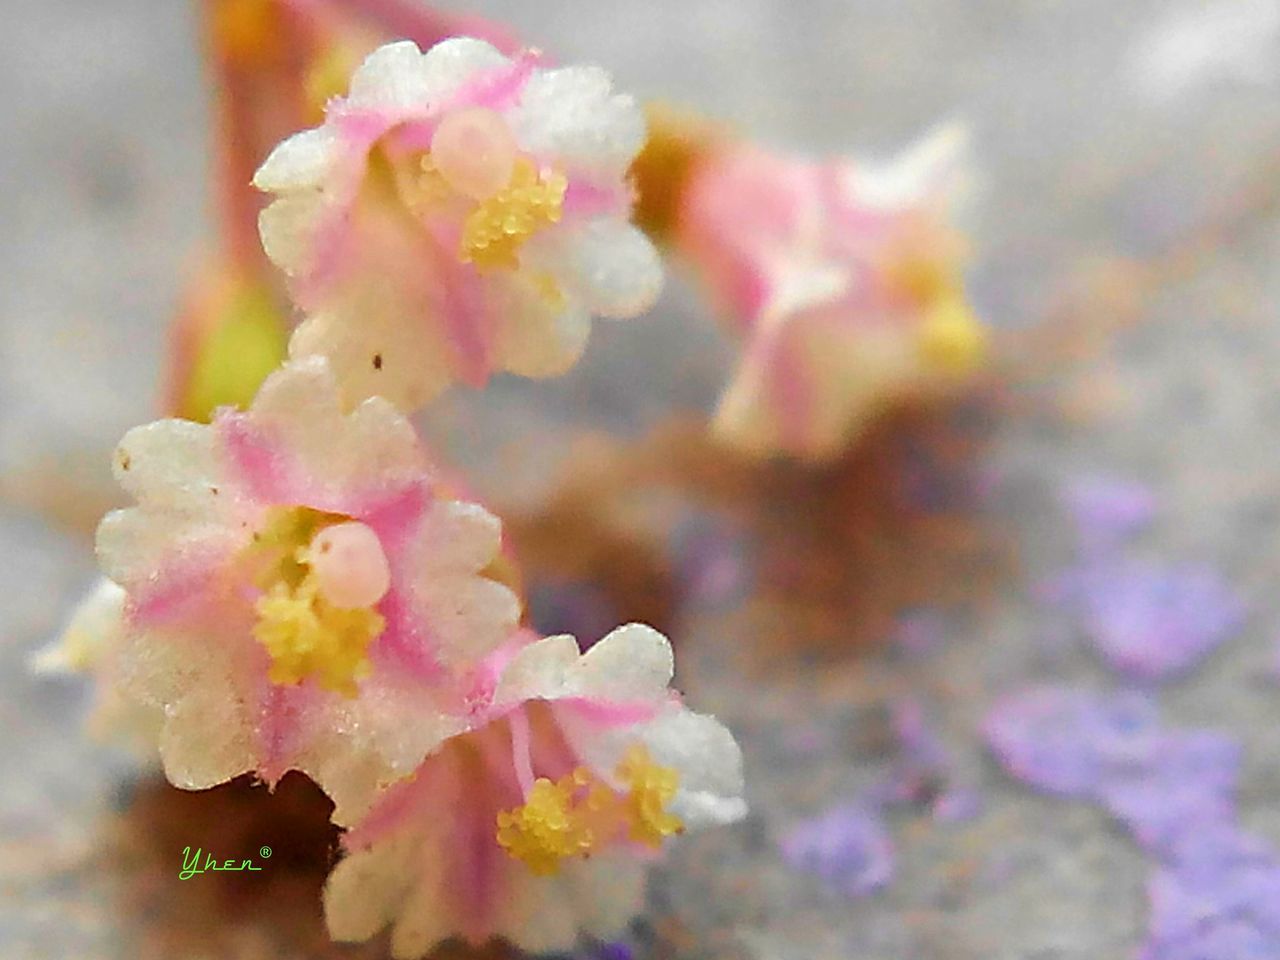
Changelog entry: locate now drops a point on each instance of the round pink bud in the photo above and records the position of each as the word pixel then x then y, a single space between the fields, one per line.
pixel 474 151
pixel 349 566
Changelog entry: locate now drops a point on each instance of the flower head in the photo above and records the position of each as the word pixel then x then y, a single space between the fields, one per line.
pixel 535 823
pixel 458 213
pixel 843 279
pixel 299 594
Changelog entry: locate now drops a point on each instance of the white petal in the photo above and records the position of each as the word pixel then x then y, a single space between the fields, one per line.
pixel 614 268
pixel 452 63
pixel 424 918
pixel 608 890
pixel 596 897
pixel 304 160
pixel 287 228
pixel 301 405
pixel 933 169
pixel 136 545
pixel 459 536
pixel 708 761
pixel 537 338
pixel 377 440
pixel 468 615
pixel 549 922
pixel 571 115
pixel 208 737
pixel 633 662
pixel 538 670
pixel 392 77
pixel 351 778
pixel 411 367
pixel 366 889
pixel 169 462
pixel 95 625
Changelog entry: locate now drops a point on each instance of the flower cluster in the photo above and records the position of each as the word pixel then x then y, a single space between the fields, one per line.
pixel 295 585
pixel 295 589
pixel 585 762
pixel 843 279
pixel 458 213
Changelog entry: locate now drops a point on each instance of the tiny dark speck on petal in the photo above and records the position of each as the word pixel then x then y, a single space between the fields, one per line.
pixel 377 361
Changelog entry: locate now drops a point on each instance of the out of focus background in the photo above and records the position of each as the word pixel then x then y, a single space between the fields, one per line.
pixel 1126 234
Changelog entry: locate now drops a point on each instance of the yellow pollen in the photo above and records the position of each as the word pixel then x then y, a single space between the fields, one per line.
pixel 923 279
pixel 549 827
pixel 952 339
pixel 578 812
pixel 307 637
pixel 652 788
pixel 304 634
pixel 495 230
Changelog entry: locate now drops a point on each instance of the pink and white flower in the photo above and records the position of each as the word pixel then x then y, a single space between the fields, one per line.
pixel 844 281
pixel 458 213
pixel 298 594
pixel 535 824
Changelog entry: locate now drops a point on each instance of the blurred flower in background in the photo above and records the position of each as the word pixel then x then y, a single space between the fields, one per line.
pixel 843 280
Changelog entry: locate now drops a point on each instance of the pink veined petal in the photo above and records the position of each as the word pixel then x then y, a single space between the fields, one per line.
pixel 405 641
pixel 261 468
pixel 608 714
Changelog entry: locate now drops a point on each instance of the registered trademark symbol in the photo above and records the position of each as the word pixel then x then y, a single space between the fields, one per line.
pixel 265 852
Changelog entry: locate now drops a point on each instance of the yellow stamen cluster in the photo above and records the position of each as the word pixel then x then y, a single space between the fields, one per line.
pixel 952 338
pixel 578 813
pixel 495 230
pixel 308 637
pixel 651 790
pixel 549 827
pixel 304 634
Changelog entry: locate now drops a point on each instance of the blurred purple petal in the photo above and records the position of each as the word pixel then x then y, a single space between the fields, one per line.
pixel 1221 902
pixel 1186 779
pixel 611 951
pixel 1148 621
pixel 1107 510
pixel 1063 740
pixel 847 846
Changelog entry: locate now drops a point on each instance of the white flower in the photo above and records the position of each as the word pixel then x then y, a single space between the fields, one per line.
pixel 459 213
pixel 298 593
pixel 536 823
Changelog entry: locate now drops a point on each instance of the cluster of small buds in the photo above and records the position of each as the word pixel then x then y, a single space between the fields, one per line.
pixel 844 281
pixel 294 588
